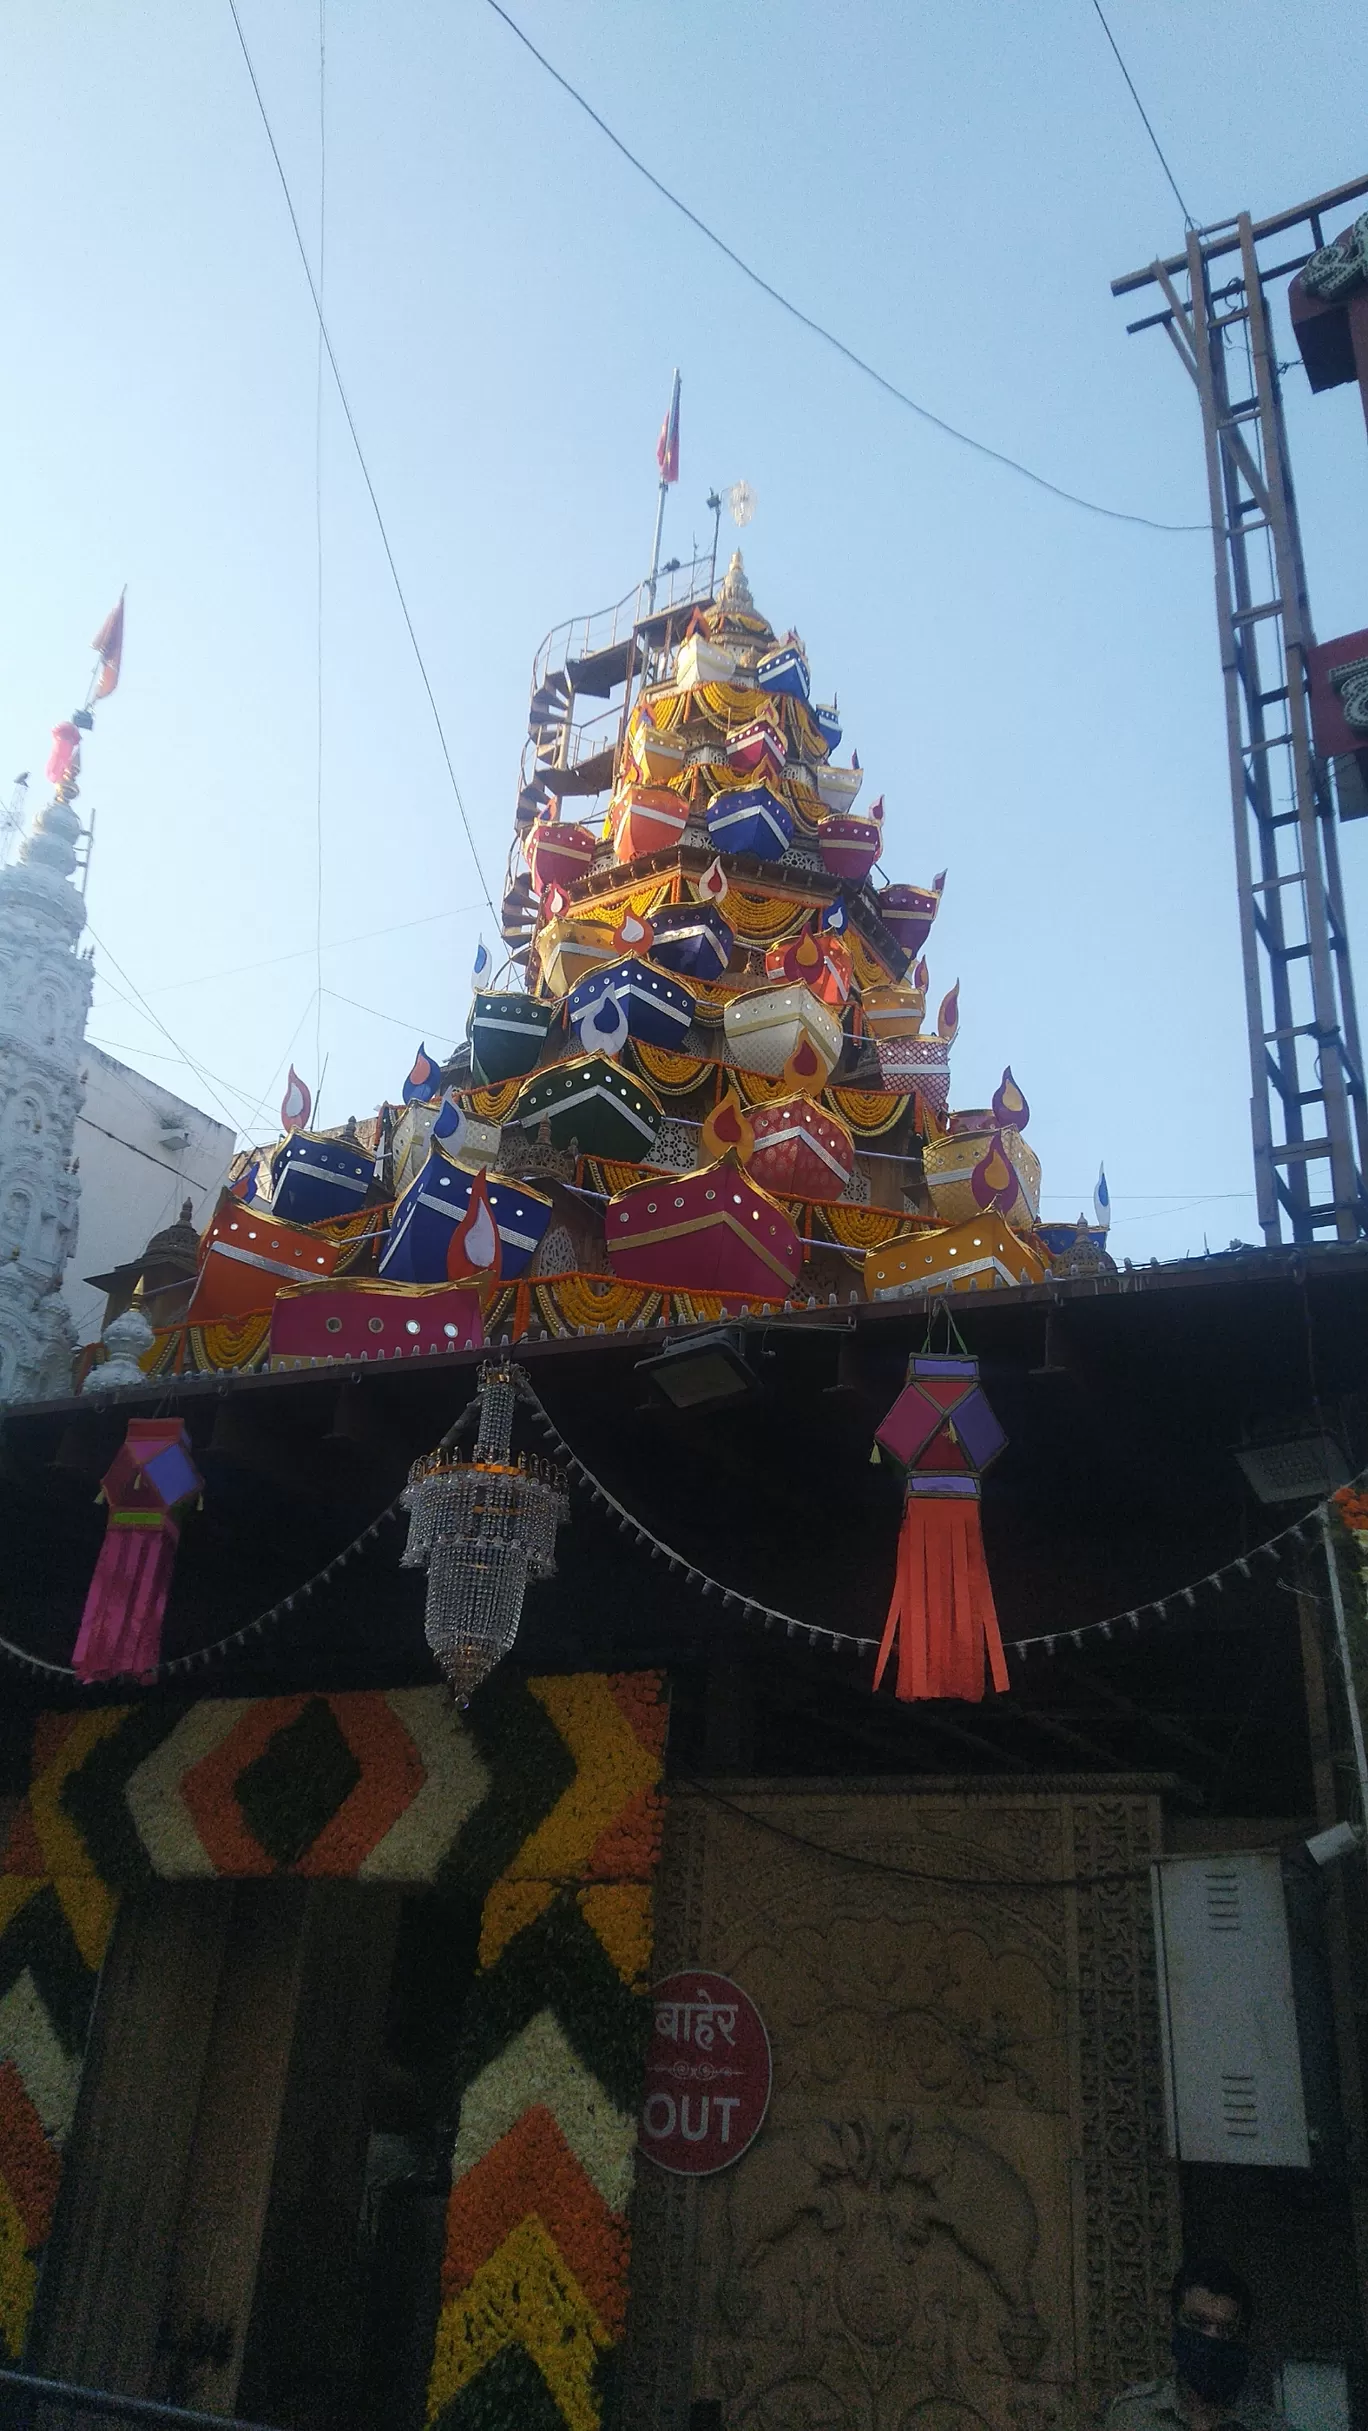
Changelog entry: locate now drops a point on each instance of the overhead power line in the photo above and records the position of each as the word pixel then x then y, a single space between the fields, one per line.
pixel 1188 220
pixel 950 430
pixel 365 469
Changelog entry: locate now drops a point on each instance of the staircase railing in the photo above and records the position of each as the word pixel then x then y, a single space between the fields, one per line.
pixel 28 2403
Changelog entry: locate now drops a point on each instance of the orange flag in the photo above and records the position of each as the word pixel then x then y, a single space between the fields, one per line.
pixel 108 643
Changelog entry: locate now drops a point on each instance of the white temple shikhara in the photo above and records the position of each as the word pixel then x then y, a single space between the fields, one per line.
pixel 45 986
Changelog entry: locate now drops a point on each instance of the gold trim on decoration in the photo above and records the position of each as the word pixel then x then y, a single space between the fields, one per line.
pixel 228 1344
pixel 594 1300
pixel 674 1075
pixel 758 1089
pixel 869 1112
pixel 863 1227
pixel 495 1104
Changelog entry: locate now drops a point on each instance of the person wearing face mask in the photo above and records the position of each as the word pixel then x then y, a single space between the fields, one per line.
pixel 1212 2313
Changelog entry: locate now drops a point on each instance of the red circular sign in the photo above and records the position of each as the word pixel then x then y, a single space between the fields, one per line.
pixel 707 2074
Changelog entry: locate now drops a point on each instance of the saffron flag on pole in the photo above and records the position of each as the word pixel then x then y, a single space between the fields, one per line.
pixel 667 445
pixel 108 643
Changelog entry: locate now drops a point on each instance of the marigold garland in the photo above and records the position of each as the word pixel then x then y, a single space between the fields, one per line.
pixel 869 1112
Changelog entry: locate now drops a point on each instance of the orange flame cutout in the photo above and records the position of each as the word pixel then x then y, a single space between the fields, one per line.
pixel 805 1071
pixel 475 1247
pixel 806 955
pixel 633 934
pixel 947 1020
pixel 728 1130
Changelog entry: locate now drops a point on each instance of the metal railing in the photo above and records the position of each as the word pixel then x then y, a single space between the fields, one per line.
pixel 584 636
pixel 28 2403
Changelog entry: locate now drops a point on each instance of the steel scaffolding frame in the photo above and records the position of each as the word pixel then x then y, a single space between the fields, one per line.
pixel 1308 1109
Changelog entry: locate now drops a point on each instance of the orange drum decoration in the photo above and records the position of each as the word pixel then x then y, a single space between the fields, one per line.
pixel 942 1617
pixel 149 1478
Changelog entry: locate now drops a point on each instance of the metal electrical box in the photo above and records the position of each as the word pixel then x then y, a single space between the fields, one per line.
pixel 1232 2061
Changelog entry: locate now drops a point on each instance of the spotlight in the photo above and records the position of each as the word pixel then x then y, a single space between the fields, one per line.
pixel 1340 1840
pixel 702 1370
pixel 1310 1466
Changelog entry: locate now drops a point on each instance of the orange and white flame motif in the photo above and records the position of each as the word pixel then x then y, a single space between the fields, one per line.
pixel 728 1130
pixel 296 1105
pixel 475 1247
pixel 633 935
pixel 947 1020
pixel 712 886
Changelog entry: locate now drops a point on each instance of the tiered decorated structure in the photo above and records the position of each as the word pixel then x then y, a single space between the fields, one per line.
pixel 705 1083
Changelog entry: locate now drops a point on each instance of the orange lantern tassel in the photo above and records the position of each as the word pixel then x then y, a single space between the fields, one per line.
pixel 942 1618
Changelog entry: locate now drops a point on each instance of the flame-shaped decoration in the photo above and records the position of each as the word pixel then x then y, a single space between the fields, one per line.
pixel 1010 1109
pixel 728 1130
pixel 993 1180
pixel 603 1029
pixel 947 1020
pixel 712 886
pixel 554 902
pixel 450 1126
pixel 854 759
pixel 836 919
pixel 938 883
pixel 837 973
pixel 876 811
pixel 804 1073
pixel 921 976
pixel 800 958
pixel 296 1105
pixel 418 1086
pixel 633 935
pixel 475 1247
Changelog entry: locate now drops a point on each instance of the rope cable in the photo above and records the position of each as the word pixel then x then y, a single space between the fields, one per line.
pixel 380 524
pixel 950 430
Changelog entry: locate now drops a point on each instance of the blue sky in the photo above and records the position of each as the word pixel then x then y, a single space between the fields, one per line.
pixel 1035 691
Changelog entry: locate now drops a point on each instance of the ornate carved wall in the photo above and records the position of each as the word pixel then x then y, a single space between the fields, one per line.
pixel 959 2211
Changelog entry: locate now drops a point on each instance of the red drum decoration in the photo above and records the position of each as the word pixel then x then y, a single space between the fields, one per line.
pixel 558 854
pixel 149 1478
pixel 849 847
pixel 800 958
pixel 942 1618
pixel 908 911
pixel 800 1151
pixel 648 819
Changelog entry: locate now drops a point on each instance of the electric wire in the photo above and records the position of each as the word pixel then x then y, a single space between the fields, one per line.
pixel 318 538
pixel 355 435
pixel 950 430
pixel 332 945
pixel 200 1074
pixel 1188 220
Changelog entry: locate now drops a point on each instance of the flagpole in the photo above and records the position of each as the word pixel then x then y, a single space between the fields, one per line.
pixel 667 456
pixel 655 545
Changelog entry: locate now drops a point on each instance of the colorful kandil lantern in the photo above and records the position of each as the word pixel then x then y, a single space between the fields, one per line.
pixel 151 1477
pixel 942 1618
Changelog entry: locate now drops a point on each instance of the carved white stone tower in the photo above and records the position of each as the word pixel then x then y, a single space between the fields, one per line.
pixel 45 984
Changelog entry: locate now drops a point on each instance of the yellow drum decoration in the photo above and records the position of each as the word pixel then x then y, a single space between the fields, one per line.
pixel 1007 1171
pixel 983 1254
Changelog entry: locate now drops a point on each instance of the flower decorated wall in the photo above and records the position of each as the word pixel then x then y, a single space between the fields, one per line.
pixel 542 1806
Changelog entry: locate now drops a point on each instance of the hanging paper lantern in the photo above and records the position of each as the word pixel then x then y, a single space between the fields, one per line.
pixel 149 1478
pixel 942 1618
pixel 481 1528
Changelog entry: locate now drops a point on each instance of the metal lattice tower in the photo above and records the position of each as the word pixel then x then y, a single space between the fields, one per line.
pixel 1307 1101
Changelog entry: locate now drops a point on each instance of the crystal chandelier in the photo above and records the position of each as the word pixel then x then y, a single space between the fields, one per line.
pixel 481 1528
